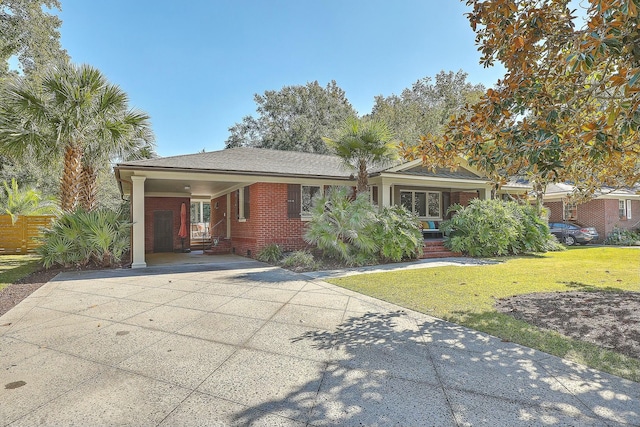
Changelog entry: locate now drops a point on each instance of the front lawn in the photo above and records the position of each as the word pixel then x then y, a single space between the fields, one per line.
pixel 465 295
pixel 15 267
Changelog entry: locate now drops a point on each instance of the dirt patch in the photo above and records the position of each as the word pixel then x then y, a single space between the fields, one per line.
pixel 608 319
pixel 13 294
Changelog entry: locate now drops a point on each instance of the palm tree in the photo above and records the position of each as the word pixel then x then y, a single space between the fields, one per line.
pixel 361 144
pixel 132 143
pixel 15 201
pixel 73 110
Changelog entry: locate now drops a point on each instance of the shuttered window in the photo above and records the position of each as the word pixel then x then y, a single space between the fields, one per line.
pixel 293 200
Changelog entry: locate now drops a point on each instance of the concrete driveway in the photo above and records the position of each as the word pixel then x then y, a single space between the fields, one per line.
pixel 248 344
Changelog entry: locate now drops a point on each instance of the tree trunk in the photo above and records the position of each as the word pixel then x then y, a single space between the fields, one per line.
pixel 69 184
pixel 539 190
pixel 363 177
pixel 88 188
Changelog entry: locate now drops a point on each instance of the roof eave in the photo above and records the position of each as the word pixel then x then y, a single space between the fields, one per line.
pixel 227 172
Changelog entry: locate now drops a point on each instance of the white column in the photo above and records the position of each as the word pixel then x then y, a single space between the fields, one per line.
pixel 484 194
pixel 137 210
pixel 241 217
pixel 385 195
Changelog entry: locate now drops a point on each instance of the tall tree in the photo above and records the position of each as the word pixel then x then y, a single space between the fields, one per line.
pixel 426 107
pixel 294 118
pixel 568 108
pixel 132 141
pixel 72 110
pixel 363 143
pixel 30 34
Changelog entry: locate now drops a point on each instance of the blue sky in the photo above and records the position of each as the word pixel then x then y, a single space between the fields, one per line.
pixel 194 66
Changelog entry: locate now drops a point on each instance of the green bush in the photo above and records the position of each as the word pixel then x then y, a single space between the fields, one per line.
pixel 496 228
pixel 270 253
pixel 398 235
pixel 354 232
pixel 79 238
pixel 342 228
pixel 300 260
pixel 622 237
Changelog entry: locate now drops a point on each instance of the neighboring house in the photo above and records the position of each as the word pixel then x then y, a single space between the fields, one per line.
pixel 255 197
pixel 607 210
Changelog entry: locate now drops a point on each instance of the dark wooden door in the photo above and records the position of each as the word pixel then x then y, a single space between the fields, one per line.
pixel 163 231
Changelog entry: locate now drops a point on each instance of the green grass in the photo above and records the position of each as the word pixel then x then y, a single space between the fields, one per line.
pixel 465 295
pixel 15 267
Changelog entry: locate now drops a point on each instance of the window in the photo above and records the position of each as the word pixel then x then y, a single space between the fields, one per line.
pixel 569 210
pixel 624 208
pixel 200 217
pixel 425 204
pixel 434 205
pixel 308 192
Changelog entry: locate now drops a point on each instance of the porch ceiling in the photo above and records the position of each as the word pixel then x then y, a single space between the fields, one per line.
pixel 190 187
pixel 184 185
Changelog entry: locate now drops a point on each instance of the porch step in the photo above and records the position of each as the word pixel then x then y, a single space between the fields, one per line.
pixel 223 247
pixel 436 249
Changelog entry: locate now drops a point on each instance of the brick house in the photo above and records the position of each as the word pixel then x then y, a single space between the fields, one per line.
pixel 610 209
pixel 246 198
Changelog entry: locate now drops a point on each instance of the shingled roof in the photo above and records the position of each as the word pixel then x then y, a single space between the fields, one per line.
pixel 250 160
pixel 459 173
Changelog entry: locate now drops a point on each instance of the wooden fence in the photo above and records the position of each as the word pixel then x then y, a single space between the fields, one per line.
pixel 19 238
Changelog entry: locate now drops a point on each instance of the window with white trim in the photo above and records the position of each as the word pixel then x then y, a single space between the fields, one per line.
pixel 425 204
pixel 308 192
pixel 569 210
pixel 200 217
pixel 624 209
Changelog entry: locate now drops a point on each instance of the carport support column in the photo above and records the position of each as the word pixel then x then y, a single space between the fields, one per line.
pixel 137 210
pixel 385 195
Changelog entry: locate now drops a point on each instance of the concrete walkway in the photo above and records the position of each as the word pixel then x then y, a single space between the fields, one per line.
pixel 242 343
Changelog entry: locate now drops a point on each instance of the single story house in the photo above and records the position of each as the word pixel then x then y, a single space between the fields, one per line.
pixel 609 209
pixel 247 198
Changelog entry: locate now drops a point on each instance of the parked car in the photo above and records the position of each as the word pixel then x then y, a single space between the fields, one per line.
pixel 570 234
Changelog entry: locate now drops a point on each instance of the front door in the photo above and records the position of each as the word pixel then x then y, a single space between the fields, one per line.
pixel 163 231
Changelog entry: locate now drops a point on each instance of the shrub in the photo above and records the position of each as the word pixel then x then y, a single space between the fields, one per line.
pixel 270 253
pixel 79 238
pixel 342 228
pixel 354 232
pixel 496 227
pixel 300 260
pixel 398 235
pixel 622 237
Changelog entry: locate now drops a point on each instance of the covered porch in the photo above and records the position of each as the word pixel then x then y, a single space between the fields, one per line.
pixel 154 192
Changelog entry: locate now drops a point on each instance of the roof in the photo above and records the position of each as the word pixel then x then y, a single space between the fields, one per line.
pixel 460 173
pixel 559 190
pixel 250 160
pixel 266 162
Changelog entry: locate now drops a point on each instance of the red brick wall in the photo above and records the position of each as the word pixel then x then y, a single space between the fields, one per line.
pixel 219 214
pixel 555 211
pixel 463 197
pixel 268 221
pixel 612 216
pixel 599 213
pixel 152 204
